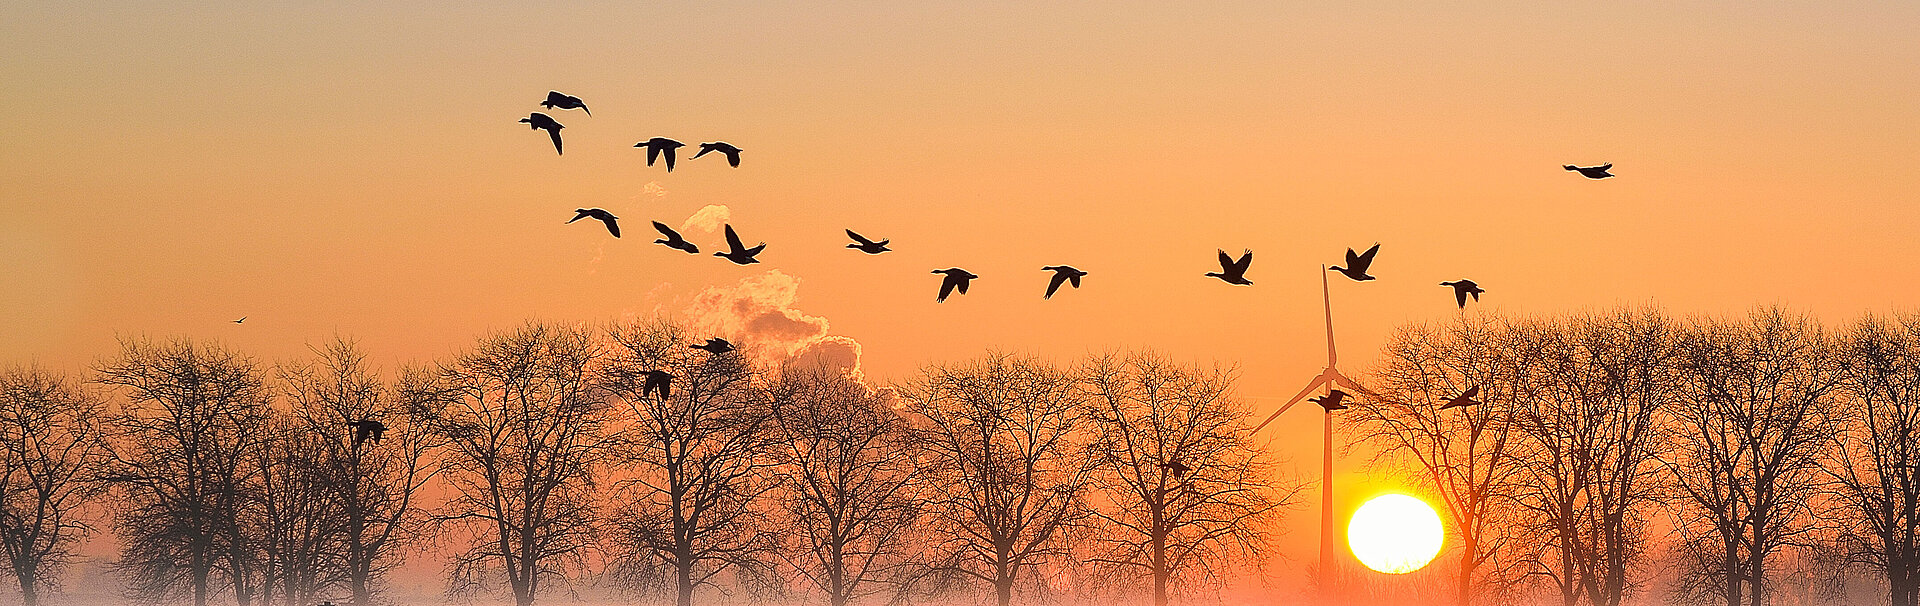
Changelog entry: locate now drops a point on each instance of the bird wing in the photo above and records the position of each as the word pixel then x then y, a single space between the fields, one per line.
pixel 1476 295
pixel 1245 260
pixel 671 235
pixel 1460 296
pixel 1054 284
pixel 965 282
pixel 1366 258
pixel 1075 278
pixel 578 216
pixel 858 238
pixel 946 288
pixel 756 250
pixel 704 148
pixel 613 226
pixel 1226 262
pixel 556 97
pixel 666 387
pixel 669 153
pixel 1470 393
pixel 733 158
pixel 555 134
pixel 652 153
pixel 1607 166
pixel 733 240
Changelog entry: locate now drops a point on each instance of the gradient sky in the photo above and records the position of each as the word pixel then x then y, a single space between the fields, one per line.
pixel 356 169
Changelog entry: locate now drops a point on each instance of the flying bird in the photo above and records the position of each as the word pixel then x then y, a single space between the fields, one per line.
pixel 657 381
pixel 1178 468
pixel 539 120
pixel 1462 288
pixel 1592 172
pixel 367 429
pixel 957 279
pixel 613 226
pixel 732 153
pixel 564 101
pixel 242 319
pixel 1061 273
pixel 1464 399
pixel 659 146
pixel 862 244
pixel 1357 264
pixel 740 254
pixel 1331 401
pixel 673 239
pixel 1233 272
pixel 715 346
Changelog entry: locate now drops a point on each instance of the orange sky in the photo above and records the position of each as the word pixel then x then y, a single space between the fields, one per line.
pixel 358 170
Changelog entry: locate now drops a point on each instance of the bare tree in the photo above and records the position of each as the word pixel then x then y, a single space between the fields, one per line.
pixel 51 459
pixel 1753 425
pixel 999 438
pixel 852 489
pixel 1469 456
pixel 375 483
pixel 1188 492
pixel 180 450
pixel 524 430
pixel 1877 474
pixel 299 523
pixel 699 464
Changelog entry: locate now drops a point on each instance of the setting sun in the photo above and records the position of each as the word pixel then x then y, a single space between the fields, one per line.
pixel 1395 534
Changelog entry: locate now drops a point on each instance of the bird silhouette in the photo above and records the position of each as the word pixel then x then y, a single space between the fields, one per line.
pixel 1357 264
pixel 367 429
pixel 657 381
pixel 673 239
pixel 613 225
pixel 1178 468
pixel 1592 172
pixel 1331 401
pixel 659 146
pixel 739 254
pixel 862 244
pixel 732 153
pixel 564 101
pixel 715 346
pixel 1462 288
pixel 1464 399
pixel 242 319
pixel 539 120
pixel 957 279
pixel 1061 273
pixel 1233 272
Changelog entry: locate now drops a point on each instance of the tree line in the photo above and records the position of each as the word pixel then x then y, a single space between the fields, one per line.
pixel 547 456
pixel 1738 446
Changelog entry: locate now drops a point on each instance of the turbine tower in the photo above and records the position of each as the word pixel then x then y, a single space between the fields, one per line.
pixel 1327 379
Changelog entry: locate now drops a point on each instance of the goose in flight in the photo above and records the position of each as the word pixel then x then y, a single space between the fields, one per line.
pixel 1462 288
pixel 613 226
pixel 715 346
pixel 957 279
pixel 564 101
pixel 538 120
pixel 1592 172
pixel 657 381
pixel 862 244
pixel 1231 271
pixel 732 153
pixel 1464 399
pixel 673 239
pixel 1061 274
pixel 367 429
pixel 739 254
pixel 659 146
pixel 241 320
pixel 1357 264
pixel 1178 468
pixel 1331 401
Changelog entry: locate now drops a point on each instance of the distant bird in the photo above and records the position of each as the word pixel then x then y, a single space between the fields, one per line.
pixel 957 279
pixel 1233 272
pixel 242 319
pixel 862 244
pixel 1178 468
pixel 1061 273
pixel 1462 288
pixel 658 146
pixel 613 224
pixel 1592 172
pixel 1331 401
pixel 673 239
pixel 715 346
pixel 1464 399
pixel 739 254
pixel 366 429
pixel 732 153
pixel 540 120
pixel 564 101
pixel 657 380
pixel 1357 264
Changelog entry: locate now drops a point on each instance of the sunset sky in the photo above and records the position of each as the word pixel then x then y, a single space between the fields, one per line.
pixel 357 170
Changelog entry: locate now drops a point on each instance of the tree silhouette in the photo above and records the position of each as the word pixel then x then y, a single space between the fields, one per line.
pixel 1877 475
pixel 51 460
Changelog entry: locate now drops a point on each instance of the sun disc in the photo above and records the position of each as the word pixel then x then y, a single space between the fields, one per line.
pixel 1395 534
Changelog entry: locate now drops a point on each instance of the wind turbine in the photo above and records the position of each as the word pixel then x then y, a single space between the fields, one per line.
pixel 1327 379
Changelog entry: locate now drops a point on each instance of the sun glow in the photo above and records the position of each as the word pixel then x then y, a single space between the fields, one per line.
pixel 1395 534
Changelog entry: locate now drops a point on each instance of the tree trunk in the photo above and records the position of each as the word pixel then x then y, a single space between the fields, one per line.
pixel 29 590
pixel 1464 593
pixel 683 573
pixel 201 573
pixel 1003 591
